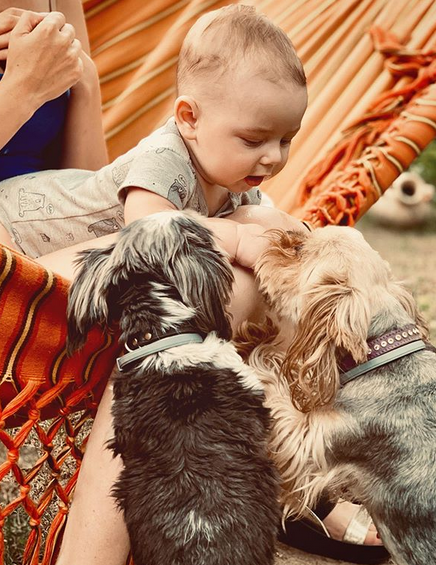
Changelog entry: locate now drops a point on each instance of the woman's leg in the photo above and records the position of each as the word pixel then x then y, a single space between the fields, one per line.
pixel 63 261
pixel 95 532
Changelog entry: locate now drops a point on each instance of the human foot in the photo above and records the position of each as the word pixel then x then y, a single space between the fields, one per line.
pixel 351 523
pixel 323 534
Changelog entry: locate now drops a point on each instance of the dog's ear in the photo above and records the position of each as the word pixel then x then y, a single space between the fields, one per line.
pixel 202 275
pixel 88 296
pixel 182 250
pixel 334 320
pixel 207 289
pixel 285 248
pixel 407 301
pixel 278 268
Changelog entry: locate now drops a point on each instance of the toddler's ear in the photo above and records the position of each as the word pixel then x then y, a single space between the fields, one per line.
pixel 186 116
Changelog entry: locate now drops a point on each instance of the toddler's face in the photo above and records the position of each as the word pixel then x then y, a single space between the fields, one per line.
pixel 244 132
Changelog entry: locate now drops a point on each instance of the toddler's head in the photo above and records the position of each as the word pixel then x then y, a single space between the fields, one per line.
pixel 241 97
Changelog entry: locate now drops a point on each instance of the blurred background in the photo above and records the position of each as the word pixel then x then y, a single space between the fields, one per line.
pixel 404 232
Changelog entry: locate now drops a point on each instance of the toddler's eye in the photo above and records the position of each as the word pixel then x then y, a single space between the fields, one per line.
pixel 251 142
pixel 285 142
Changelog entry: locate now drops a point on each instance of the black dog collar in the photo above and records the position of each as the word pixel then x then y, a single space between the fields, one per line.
pixel 156 346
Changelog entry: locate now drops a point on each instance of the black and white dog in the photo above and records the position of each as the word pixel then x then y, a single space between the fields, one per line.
pixel 197 486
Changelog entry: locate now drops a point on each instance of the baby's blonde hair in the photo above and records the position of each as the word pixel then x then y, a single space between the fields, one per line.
pixel 221 39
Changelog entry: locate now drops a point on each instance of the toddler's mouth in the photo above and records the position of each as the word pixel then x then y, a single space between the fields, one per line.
pixel 253 181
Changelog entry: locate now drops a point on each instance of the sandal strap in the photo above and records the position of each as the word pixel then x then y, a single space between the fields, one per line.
pixel 316 521
pixel 358 527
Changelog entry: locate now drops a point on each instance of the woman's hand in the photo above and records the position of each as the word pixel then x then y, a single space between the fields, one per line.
pixel 43 55
pixel 8 20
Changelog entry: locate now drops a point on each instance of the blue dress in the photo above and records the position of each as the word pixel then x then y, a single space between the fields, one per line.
pixel 37 144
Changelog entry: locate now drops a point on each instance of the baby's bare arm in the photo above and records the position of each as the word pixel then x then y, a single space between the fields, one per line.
pixel 242 243
pixel 269 218
pixel 241 234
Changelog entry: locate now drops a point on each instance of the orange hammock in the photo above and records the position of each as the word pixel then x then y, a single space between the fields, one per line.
pixel 371 70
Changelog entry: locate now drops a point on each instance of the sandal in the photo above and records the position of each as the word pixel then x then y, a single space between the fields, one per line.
pixel 310 534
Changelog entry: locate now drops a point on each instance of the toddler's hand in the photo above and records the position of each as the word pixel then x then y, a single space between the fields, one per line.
pixel 269 218
pixel 251 243
pixel 243 234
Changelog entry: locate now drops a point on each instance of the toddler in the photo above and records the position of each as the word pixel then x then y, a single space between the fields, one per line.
pixel 241 95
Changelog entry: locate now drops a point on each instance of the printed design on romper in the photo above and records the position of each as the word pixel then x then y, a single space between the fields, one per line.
pixel 16 237
pixel 120 216
pixel 45 238
pixel 104 227
pixel 178 191
pixel 29 201
pixel 119 174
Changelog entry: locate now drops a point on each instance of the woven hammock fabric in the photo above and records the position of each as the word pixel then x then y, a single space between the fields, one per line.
pixel 35 366
pixel 371 72
pixel 39 381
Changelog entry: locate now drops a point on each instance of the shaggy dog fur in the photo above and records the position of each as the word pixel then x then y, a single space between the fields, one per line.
pixel 197 486
pixel 373 439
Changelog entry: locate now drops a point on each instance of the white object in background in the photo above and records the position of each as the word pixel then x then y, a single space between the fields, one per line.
pixel 405 204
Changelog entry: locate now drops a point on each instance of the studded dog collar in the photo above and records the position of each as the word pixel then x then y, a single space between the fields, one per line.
pixel 383 350
pixel 156 346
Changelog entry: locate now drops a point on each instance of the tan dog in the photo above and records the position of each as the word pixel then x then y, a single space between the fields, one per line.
pixel 372 438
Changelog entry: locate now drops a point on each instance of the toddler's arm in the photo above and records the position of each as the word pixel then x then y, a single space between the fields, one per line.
pixel 241 235
pixel 228 233
pixel 242 242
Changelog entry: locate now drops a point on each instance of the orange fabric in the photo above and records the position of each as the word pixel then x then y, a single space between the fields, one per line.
pixel 377 147
pixel 39 381
pixel 35 367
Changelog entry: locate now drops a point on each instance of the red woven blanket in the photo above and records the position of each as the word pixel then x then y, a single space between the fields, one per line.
pixel 37 379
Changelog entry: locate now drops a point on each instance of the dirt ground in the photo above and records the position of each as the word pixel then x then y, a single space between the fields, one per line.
pixel 412 256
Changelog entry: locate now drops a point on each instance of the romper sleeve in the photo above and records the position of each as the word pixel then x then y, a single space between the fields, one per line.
pixel 252 196
pixel 161 170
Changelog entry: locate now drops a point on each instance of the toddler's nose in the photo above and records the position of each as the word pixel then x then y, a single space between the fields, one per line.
pixel 272 155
